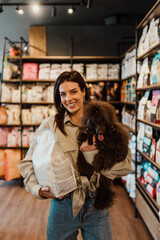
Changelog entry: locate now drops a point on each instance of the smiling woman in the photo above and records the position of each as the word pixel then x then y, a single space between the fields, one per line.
pixel 74 208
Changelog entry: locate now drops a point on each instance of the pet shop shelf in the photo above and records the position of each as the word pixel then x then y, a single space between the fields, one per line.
pixel 150 87
pixel 154 125
pixel 148 46
pixel 150 160
pixel 150 53
pixel 151 200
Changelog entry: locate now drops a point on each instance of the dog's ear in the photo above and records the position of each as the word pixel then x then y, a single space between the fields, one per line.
pixel 108 112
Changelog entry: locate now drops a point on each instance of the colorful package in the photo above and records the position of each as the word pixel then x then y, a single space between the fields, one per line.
pixel 11 159
pixel 2 162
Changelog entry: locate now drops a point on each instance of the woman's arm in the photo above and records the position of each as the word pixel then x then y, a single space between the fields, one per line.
pixel 119 169
pixel 25 168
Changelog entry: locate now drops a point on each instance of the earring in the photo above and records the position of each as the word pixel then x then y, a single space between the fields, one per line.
pixel 62 105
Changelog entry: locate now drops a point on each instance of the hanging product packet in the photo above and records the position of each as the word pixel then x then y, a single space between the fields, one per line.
pixel 52 167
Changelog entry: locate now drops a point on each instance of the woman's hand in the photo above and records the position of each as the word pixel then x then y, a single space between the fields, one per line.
pixel 44 192
pixel 85 147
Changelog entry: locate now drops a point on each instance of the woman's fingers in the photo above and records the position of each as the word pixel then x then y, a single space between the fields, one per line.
pixel 45 193
pixel 85 147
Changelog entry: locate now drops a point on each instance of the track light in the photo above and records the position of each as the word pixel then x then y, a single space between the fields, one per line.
pixel 54 11
pixel 19 10
pixel 1 9
pixel 88 3
pixel 35 8
pixel 71 10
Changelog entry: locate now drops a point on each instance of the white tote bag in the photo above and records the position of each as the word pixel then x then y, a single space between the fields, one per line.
pixel 52 168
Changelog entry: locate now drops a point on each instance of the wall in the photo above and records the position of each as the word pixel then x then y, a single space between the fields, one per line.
pixel 88 40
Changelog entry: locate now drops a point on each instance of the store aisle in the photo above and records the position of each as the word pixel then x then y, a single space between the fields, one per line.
pixel 23 217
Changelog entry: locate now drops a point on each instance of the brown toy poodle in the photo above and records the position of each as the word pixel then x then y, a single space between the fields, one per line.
pixel 112 145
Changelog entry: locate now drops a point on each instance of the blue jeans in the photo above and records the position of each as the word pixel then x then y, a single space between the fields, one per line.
pixel 94 223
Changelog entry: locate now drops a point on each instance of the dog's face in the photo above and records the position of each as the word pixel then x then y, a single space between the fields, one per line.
pixel 96 125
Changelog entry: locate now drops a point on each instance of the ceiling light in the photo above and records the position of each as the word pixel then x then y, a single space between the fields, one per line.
pixel 1 10
pixel 71 10
pixel 35 8
pixel 19 10
pixel 54 11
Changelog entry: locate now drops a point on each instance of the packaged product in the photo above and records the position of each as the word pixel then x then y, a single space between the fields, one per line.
pixel 79 67
pixel 26 116
pixel 44 71
pixel 2 162
pixel 13 112
pixel 154 73
pixel 30 71
pixel 154 105
pixel 16 95
pixel 65 67
pixel 151 190
pixel 158 193
pixel 141 41
pixel 55 71
pixel 158 152
pixel 3 115
pixel 6 92
pixel 102 71
pixel 50 92
pixel 153 149
pixel 4 135
pixel 53 170
pixel 11 160
pixel 113 71
pixel 91 71
pixel 154 33
pixel 141 106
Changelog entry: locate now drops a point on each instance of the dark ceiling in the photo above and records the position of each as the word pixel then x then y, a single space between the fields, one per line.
pixel 124 11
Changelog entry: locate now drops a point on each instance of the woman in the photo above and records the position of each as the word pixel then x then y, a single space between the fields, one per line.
pixel 75 210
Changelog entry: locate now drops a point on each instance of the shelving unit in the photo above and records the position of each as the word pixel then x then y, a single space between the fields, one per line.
pixel 145 204
pixel 20 60
pixel 128 60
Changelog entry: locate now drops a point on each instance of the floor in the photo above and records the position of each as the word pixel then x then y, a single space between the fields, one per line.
pixel 23 217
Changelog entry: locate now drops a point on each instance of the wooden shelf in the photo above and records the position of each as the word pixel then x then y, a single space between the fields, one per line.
pixel 150 53
pixel 150 160
pixel 153 13
pixel 155 125
pixel 9 125
pixel 6 147
pixel 130 76
pixel 129 103
pixel 102 80
pixel 113 102
pixel 29 103
pixel 11 81
pixel 12 103
pixel 149 87
pixel 149 197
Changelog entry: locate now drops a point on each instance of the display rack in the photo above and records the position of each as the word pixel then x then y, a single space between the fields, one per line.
pixel 127 59
pixel 146 205
pixel 21 59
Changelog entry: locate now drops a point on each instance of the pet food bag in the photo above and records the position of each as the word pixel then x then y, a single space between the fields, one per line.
pixel 52 168
pixel 12 157
pixel 2 162
pixel 3 115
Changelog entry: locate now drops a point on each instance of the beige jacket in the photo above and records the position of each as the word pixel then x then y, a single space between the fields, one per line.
pixel 70 148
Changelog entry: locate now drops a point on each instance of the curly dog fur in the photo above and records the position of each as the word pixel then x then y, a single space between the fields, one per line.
pixel 112 145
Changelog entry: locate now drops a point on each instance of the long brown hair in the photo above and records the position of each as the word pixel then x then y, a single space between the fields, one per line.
pixel 72 76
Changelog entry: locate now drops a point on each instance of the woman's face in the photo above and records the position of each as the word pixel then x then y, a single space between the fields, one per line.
pixel 71 96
